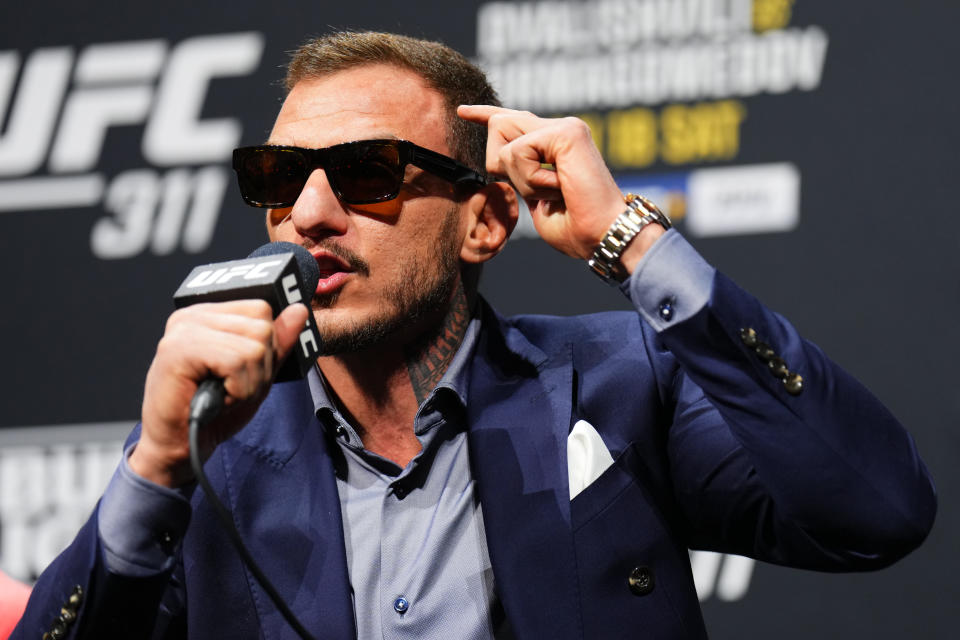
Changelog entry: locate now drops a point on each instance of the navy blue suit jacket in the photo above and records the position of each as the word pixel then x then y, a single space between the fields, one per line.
pixel 710 452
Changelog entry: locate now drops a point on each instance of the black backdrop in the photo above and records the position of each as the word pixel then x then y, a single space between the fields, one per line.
pixel 866 264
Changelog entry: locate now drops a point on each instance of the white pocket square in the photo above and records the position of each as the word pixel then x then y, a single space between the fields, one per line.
pixel 587 457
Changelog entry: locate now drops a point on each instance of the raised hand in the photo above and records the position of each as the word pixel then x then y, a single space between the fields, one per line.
pixel 573 203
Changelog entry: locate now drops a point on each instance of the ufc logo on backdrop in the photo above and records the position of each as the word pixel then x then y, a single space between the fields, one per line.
pixel 57 117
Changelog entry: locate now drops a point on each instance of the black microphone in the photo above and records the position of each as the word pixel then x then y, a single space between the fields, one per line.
pixel 282 273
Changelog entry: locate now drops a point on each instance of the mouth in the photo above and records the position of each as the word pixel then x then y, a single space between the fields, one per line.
pixel 333 272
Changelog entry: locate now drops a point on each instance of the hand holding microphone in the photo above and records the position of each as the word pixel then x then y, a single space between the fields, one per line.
pixel 222 349
pixel 225 334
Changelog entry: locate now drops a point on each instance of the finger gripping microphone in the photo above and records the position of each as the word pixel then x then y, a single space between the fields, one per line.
pixel 281 273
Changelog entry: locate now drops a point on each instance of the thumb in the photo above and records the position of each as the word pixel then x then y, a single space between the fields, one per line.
pixel 287 328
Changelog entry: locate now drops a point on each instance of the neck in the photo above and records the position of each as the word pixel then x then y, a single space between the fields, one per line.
pixel 428 358
pixel 381 391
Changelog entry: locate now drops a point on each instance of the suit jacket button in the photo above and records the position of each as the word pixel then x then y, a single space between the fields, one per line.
pixel 793 383
pixel 641 581
pixel 778 367
pixel 765 351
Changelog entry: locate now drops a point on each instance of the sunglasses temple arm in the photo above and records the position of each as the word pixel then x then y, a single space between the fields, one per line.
pixel 447 168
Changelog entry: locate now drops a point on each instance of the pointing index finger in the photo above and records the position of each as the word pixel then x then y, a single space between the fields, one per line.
pixel 479 113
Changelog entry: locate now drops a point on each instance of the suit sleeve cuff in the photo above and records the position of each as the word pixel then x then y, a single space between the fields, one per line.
pixel 141 524
pixel 671 283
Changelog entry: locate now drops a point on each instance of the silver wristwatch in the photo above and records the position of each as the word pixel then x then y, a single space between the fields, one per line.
pixel 606 257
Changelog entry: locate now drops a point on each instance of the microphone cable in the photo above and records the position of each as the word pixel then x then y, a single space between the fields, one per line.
pixel 206 403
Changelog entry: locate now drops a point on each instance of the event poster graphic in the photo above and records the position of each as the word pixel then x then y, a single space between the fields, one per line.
pixel 63 107
pixel 663 85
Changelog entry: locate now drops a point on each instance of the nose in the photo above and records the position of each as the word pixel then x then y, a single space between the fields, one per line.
pixel 318 212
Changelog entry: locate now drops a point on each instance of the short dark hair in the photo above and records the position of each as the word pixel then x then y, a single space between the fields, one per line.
pixel 457 79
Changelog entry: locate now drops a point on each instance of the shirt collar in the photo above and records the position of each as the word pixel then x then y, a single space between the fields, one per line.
pixel 456 379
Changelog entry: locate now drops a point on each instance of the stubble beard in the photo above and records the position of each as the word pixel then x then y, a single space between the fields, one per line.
pixel 422 288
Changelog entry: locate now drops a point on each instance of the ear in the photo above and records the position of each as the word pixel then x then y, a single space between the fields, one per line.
pixel 491 215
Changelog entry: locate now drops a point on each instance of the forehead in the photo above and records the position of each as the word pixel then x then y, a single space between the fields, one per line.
pixel 372 101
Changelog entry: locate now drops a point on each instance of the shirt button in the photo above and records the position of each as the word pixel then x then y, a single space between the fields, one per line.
pixel 400 605
pixel 400 492
pixel 342 432
pixel 666 310
pixel 166 542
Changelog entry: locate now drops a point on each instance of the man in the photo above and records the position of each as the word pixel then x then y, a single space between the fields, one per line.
pixel 445 472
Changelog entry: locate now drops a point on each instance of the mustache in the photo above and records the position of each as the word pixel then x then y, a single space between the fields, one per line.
pixel 355 262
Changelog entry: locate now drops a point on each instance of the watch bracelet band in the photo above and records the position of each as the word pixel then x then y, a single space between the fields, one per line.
pixel 640 212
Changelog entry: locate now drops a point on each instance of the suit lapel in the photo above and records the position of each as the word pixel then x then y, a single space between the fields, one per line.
pixel 519 408
pixel 282 484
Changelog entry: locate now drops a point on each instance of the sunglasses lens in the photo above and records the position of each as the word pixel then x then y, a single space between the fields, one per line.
pixel 272 177
pixel 366 173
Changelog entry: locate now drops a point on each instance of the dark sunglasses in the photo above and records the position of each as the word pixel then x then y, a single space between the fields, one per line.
pixel 361 172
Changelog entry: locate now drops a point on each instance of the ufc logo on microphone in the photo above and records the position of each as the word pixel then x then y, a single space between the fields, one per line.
pixel 250 271
pixel 308 341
